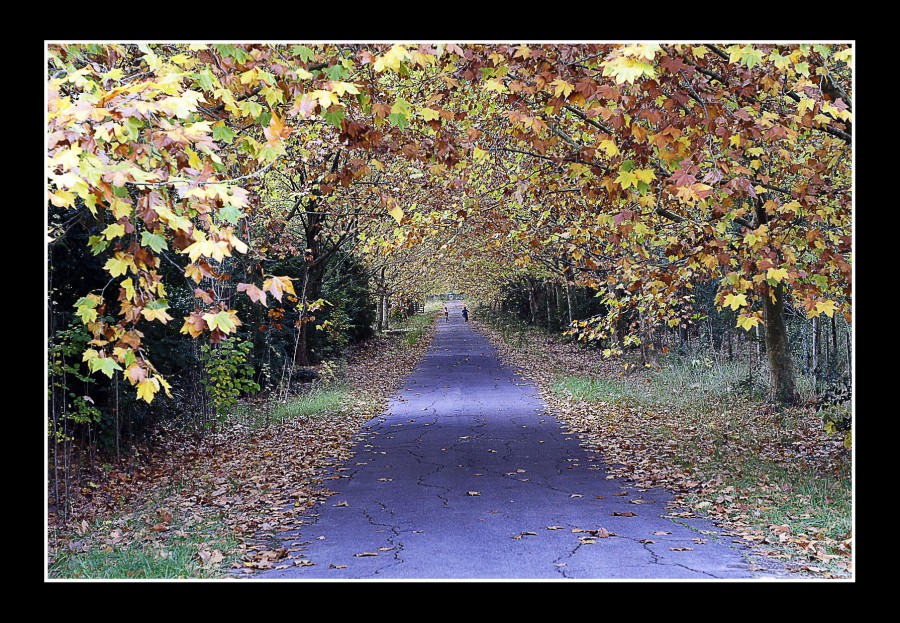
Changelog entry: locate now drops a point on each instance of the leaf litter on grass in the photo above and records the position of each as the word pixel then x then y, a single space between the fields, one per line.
pixel 250 484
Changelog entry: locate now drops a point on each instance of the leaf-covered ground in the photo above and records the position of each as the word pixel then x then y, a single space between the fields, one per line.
pixel 773 480
pixel 199 507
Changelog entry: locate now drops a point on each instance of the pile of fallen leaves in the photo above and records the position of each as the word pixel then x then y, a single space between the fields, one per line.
pixel 660 447
pixel 247 484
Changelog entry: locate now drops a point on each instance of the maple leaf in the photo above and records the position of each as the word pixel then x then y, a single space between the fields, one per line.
pixel 397 213
pixel 113 231
pixel 562 88
pixel 256 294
pixel 154 241
pixel 224 321
pixel 826 307
pixel 194 325
pixel 747 322
pixel 429 114
pixel 106 365
pixel 147 388
pixel 304 106
pixel 156 310
pixel 627 179
pixel 735 301
pixel 776 274
pixel 120 264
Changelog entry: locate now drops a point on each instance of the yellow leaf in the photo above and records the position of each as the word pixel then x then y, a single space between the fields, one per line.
pixel 735 300
pixel 645 175
pixel 626 179
pixel 495 85
pixel 747 322
pixel 428 114
pixel 344 87
pixel 776 274
pixel 609 147
pixel 147 388
pixel 479 154
pixel 114 230
pixel 562 88
pixel 825 307
pixel 397 212
pixel 62 199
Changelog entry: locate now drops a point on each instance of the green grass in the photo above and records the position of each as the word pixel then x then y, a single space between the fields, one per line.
pixel 417 326
pixel 174 554
pixel 320 401
pixel 697 385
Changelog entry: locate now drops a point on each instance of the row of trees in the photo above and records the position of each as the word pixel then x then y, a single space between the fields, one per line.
pixel 203 193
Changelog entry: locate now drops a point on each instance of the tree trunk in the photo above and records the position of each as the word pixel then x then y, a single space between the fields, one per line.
pixel 568 276
pixel 781 368
pixel 815 352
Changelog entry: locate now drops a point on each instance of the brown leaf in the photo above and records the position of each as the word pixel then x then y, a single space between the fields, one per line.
pixel 332 566
pixel 646 541
pixel 164 514
pixel 682 549
pixel 362 554
pixel 625 514
pixel 159 527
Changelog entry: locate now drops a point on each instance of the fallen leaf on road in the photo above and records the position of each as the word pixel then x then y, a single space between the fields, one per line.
pixel 661 532
pixel 385 549
pixel 341 504
pixel 646 541
pixel 625 514
pixel 576 495
pixel 640 501
pixel 621 494
pixel 331 566
pixel 682 549
pixel 302 562
pixel 554 527
pixel 528 533
pixel 361 554
pixel 472 493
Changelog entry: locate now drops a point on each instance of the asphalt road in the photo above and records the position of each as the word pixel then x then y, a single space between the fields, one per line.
pixel 467 476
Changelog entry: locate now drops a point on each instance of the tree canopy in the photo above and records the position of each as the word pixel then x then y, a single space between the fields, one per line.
pixel 635 170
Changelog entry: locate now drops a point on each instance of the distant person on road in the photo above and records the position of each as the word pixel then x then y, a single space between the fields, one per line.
pixel 465 313
pixel 446 314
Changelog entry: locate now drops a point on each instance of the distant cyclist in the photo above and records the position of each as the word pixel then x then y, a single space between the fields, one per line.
pixel 465 313
pixel 446 314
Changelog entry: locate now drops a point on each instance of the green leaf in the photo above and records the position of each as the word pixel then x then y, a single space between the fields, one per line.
pixel 334 116
pixel 206 79
pixel 230 214
pixel 106 365
pixel 98 244
pixel 120 191
pixel 155 242
pixel 264 118
pixel 303 52
pixel 336 72
pixel 398 119
pixel 251 109
pixel 222 132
